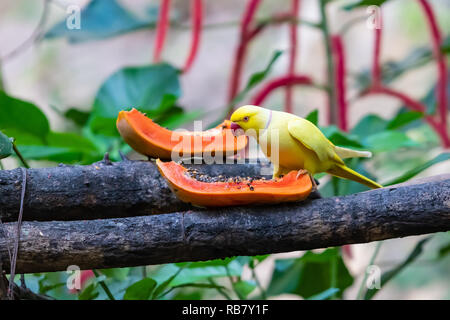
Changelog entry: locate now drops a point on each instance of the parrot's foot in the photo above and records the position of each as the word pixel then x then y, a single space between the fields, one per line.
pixel 301 172
pixel 313 181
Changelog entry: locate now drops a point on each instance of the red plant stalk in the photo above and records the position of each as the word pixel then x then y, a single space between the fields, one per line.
pixel 376 68
pixel 414 105
pixel 436 39
pixel 347 251
pixel 339 73
pixel 293 53
pixel 278 83
pixel 245 36
pixel 197 19
pixel 161 29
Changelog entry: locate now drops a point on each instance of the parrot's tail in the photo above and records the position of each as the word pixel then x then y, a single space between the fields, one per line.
pixel 344 153
pixel 345 172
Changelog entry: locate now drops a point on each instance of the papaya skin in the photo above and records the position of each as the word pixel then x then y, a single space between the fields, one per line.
pixel 292 187
pixel 150 139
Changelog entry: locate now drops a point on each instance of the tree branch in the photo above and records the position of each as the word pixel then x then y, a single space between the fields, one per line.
pixel 202 234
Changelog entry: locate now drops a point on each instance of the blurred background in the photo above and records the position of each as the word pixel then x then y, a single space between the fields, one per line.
pixel 70 75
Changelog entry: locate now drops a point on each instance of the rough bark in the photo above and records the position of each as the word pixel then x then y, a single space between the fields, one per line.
pixel 201 234
pixel 100 190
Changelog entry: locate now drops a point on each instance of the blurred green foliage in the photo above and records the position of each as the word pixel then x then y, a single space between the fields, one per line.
pixel 102 19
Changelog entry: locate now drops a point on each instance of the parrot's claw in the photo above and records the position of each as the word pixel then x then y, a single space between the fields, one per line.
pixel 301 172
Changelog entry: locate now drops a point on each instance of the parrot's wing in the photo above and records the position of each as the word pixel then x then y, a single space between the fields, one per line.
pixel 312 138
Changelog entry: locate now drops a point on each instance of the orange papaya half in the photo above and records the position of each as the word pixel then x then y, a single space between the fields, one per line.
pixel 234 191
pixel 148 138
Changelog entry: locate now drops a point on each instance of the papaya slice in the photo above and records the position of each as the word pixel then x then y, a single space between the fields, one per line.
pixel 148 138
pixel 233 191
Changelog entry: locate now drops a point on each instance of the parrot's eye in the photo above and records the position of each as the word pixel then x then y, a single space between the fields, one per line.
pixel 245 119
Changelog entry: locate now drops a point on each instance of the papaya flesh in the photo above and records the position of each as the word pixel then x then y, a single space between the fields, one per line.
pixel 233 191
pixel 150 139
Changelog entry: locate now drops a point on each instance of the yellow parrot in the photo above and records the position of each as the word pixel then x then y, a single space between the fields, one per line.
pixel 301 145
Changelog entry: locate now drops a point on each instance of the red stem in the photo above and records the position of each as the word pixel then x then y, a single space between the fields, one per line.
pixel 376 68
pixel 436 38
pixel 161 29
pixel 339 73
pixel 293 53
pixel 347 251
pixel 249 14
pixel 197 19
pixel 280 82
pixel 415 106
pixel 245 36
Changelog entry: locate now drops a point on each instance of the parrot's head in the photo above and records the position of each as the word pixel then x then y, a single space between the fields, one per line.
pixel 250 117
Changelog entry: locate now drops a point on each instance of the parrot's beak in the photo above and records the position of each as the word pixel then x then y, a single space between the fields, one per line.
pixel 235 126
pixel 236 129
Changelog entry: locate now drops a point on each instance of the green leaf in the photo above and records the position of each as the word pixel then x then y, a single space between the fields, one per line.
pixel 52 286
pixel 6 148
pixel 200 285
pixel 21 117
pixel 418 57
pixel 61 147
pixel 445 46
pixel 100 19
pixel 310 274
pixel 403 118
pixel 364 3
pixel 259 258
pixel 341 138
pixel 153 90
pixel 369 125
pixel 77 116
pixel 388 140
pixel 256 78
pixel 325 294
pixel 160 288
pixel 190 295
pixel 140 290
pixel 244 287
pixel 413 172
pixel 373 124
pixel 313 116
pixel 195 271
pixel 89 293
pixel 389 275
pixel 444 251
pixel 120 274
pixel 70 140
pixel 193 285
pixel 176 116
pixel 57 154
